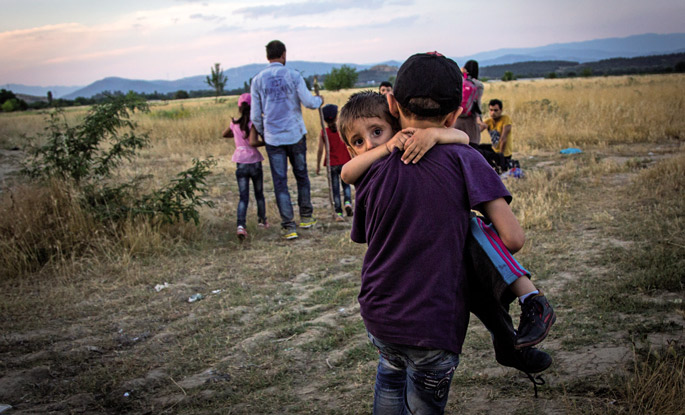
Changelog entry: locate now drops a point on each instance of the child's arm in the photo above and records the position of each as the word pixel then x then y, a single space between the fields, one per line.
pixel 511 233
pixel 319 153
pixel 228 133
pixel 254 138
pixel 353 169
pixel 423 139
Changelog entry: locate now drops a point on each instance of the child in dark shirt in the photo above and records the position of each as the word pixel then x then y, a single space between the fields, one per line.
pixel 402 269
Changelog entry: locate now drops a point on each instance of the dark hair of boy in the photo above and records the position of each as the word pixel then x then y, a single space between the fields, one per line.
pixel 275 49
pixel 497 102
pixel 385 83
pixel 365 104
pixel 471 67
pixel 428 86
pixel 330 113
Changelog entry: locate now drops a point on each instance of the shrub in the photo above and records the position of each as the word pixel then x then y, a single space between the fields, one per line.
pixel 81 199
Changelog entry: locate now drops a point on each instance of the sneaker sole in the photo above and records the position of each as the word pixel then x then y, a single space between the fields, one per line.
pixel 307 225
pixel 290 236
pixel 539 339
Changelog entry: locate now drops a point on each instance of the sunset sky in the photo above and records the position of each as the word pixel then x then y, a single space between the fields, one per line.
pixel 76 42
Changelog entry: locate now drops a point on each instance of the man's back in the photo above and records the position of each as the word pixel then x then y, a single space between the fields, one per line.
pixel 277 92
pixel 414 219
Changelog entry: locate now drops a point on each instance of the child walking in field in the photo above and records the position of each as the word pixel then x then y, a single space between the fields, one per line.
pixel 367 126
pixel 338 156
pixel 248 165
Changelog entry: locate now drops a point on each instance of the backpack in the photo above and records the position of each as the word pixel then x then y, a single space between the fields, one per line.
pixel 469 95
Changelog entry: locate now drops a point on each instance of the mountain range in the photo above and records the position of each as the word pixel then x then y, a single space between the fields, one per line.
pixel 585 51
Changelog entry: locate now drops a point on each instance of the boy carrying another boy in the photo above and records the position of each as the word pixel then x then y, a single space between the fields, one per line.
pixel 338 156
pixel 415 220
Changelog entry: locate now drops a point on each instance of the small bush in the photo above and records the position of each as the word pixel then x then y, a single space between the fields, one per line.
pixel 75 198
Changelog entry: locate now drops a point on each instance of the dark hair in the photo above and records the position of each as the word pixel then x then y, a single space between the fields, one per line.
pixel 365 104
pixel 244 120
pixel 494 102
pixel 472 68
pixel 275 49
pixel 385 83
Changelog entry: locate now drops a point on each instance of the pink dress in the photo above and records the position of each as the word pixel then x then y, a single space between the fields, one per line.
pixel 244 152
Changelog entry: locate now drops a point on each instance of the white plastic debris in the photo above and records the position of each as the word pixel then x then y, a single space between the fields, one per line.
pixel 4 407
pixel 160 287
pixel 216 291
pixel 195 297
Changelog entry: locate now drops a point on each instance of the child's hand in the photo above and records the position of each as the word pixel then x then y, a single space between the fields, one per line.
pixel 397 140
pixel 418 143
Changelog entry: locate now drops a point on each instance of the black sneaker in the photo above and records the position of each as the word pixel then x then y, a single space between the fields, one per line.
pixel 528 360
pixel 537 317
pixel 348 209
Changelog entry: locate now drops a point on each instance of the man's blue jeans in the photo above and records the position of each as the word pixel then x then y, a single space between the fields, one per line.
pixel 243 173
pixel 278 159
pixel 412 380
pixel 335 184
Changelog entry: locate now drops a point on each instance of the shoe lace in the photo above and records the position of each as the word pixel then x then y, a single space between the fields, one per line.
pixel 537 380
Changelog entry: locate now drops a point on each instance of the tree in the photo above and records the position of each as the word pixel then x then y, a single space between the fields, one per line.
pixel 181 94
pixel 341 78
pixel 49 97
pixel 508 76
pixel 586 72
pixel 217 80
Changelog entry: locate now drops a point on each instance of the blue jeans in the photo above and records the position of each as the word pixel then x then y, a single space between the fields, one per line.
pixel 243 173
pixel 278 159
pixel 335 183
pixel 412 380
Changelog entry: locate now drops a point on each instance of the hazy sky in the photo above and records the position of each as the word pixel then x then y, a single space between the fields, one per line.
pixel 76 42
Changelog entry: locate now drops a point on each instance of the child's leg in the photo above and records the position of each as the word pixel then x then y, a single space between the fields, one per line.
pixel 335 188
pixel 258 184
pixel 243 178
pixel 411 380
pixel 537 315
pixel 489 300
pixel 347 194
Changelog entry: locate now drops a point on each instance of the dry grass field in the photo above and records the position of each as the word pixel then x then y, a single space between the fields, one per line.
pixel 278 330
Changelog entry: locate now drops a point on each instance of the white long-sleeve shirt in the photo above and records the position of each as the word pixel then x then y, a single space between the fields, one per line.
pixel 277 93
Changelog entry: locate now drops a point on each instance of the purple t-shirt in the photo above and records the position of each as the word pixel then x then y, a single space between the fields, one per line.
pixel 415 220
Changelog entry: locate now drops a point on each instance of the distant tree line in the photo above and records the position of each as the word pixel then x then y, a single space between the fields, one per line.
pixel 10 102
pixel 657 64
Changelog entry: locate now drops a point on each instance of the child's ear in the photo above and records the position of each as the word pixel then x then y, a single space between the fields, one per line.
pixel 393 105
pixel 452 117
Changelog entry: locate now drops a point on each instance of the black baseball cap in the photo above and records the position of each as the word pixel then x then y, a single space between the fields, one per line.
pixel 429 75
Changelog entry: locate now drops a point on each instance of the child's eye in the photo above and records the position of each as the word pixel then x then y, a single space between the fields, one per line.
pixel 377 132
pixel 358 142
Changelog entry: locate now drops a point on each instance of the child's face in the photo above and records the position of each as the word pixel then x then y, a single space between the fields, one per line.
pixel 367 133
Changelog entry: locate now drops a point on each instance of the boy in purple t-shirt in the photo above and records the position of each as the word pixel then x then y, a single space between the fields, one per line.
pixel 415 220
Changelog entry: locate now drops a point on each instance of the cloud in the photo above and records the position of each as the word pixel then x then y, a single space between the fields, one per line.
pixel 207 18
pixel 96 55
pixel 308 8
